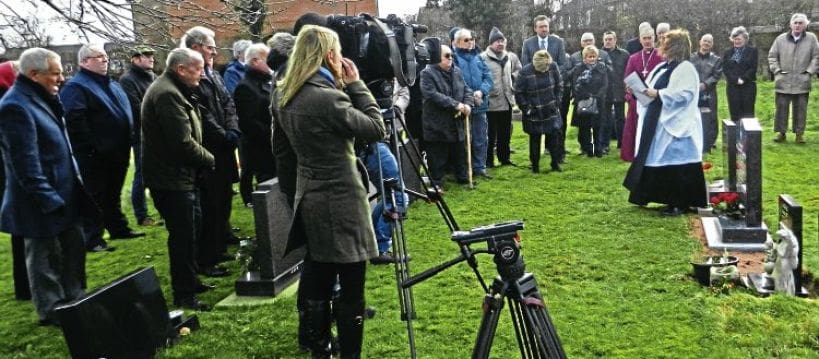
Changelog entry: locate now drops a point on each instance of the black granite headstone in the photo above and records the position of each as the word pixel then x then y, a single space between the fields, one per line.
pixel 272 216
pixel 729 145
pixel 749 170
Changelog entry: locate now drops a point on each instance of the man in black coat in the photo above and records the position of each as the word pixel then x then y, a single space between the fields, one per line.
pixel 135 82
pixel 447 102
pixel 615 101
pixel 252 97
pixel 221 137
pixel 100 127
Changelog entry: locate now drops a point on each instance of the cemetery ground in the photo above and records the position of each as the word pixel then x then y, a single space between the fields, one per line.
pixel 615 277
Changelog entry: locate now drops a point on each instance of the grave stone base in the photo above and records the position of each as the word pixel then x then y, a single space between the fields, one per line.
pixel 734 236
pixel 717 187
pixel 764 284
pixel 253 285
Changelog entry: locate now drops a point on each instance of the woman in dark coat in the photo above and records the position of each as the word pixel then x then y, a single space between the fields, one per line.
pixel 538 91
pixel 590 80
pixel 739 66
pixel 323 107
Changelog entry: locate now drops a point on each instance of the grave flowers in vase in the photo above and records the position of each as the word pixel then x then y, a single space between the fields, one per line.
pixel 727 204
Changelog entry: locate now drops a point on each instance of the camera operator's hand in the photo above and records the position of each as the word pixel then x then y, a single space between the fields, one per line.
pixel 349 70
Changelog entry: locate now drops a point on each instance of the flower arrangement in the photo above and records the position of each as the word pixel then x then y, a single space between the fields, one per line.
pixel 727 203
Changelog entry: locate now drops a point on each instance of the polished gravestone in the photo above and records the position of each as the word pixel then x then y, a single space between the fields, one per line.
pixel 127 318
pixel 276 271
pixel 729 150
pixel 790 224
pixel 747 233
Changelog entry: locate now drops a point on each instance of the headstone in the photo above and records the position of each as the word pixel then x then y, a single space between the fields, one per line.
pixel 789 254
pixel 729 150
pixel 272 215
pixel 748 233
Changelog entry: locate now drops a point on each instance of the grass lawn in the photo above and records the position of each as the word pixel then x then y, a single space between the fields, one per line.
pixel 615 277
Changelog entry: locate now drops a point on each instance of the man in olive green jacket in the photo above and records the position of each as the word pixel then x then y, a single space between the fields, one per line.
pixel 173 159
pixel 793 59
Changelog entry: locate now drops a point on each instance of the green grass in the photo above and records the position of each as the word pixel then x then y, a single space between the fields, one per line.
pixel 615 276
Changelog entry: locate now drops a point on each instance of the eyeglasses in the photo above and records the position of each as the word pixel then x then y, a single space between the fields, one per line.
pixel 469 40
pixel 100 56
pixel 447 56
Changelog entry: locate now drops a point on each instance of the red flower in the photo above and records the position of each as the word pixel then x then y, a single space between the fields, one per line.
pixel 706 166
pixel 715 200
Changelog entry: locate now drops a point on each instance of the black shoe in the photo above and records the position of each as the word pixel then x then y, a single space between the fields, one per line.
pixel 213 271
pixel 508 163
pixel 102 247
pixel 599 154
pixel 204 287
pixel 556 168
pixel 127 234
pixel 671 211
pixel 383 258
pixel 48 322
pixel 192 303
pixel 490 165
pixel 535 168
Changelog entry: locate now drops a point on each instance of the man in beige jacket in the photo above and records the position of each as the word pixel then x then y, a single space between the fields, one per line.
pixel 793 59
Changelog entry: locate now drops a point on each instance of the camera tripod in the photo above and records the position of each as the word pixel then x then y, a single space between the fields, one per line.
pixel 534 331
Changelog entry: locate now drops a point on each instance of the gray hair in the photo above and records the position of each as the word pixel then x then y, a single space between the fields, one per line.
pixel 257 50
pixel 663 27
pixel 240 46
pixel 739 31
pixel 281 43
pixel 89 50
pixel 462 33
pixel 196 35
pixel 707 36
pixel 36 58
pixel 182 56
pixel 799 16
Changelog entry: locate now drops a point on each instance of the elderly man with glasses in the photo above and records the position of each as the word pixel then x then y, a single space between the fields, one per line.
pixel 101 129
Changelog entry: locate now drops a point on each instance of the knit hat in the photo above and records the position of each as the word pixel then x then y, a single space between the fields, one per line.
pixel 452 32
pixel 495 35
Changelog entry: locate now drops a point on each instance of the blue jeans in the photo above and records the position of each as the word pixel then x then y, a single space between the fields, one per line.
pixel 138 186
pixel 389 166
pixel 478 127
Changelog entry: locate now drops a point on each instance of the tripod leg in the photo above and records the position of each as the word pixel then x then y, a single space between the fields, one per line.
pixel 543 340
pixel 492 307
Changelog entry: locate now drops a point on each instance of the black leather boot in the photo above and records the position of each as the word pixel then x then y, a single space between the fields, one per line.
pixel 317 320
pixel 350 324
pixel 535 168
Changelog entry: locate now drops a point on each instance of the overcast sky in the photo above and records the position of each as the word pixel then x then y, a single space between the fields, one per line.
pixel 399 7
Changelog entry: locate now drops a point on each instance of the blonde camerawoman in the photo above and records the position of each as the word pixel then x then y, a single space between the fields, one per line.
pixel 668 164
pixel 323 108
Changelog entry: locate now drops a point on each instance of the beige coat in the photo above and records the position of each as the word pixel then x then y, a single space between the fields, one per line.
pixel 793 64
pixel 502 95
pixel 331 211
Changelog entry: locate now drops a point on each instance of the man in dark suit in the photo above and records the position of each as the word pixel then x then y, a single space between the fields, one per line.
pixel 174 163
pixel 98 116
pixel 44 199
pixel 220 129
pixel 252 97
pixel 543 40
pixel 135 82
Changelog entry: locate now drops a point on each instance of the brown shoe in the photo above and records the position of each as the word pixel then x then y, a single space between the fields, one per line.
pixel 780 137
pixel 800 138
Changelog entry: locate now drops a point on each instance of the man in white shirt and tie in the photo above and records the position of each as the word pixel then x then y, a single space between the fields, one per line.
pixel 543 40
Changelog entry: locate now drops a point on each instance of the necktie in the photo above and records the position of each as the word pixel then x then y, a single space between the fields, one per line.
pixel 542 44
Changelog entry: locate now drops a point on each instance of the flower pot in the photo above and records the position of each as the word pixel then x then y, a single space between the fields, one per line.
pixel 702 270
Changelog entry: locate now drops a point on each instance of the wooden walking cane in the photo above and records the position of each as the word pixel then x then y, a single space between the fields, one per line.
pixel 468 152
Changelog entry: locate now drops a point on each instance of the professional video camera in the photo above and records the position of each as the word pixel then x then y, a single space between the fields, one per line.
pixel 382 48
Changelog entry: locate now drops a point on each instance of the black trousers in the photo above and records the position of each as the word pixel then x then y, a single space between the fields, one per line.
pixel 552 141
pixel 741 100
pixel 500 134
pixel 246 174
pixel 104 179
pixel 441 155
pixel 216 196
pixel 587 131
pixel 183 219
pixel 321 278
pixel 18 256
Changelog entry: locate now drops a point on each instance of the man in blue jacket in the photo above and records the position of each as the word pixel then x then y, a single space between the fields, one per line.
pixel 44 199
pixel 478 77
pixel 100 125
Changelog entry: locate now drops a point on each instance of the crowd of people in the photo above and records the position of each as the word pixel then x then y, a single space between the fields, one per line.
pixel 296 109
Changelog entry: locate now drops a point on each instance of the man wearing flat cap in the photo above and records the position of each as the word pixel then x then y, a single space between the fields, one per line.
pixel 135 82
pixel 504 66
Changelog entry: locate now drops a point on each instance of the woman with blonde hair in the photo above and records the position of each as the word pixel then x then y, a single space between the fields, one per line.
pixel 538 90
pixel 591 81
pixel 323 107
pixel 668 164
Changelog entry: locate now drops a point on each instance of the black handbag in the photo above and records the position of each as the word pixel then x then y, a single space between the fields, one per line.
pixel 587 107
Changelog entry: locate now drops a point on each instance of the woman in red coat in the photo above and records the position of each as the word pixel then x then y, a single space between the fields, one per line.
pixel 641 62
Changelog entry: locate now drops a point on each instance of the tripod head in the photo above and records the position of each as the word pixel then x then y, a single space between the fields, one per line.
pixel 503 241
